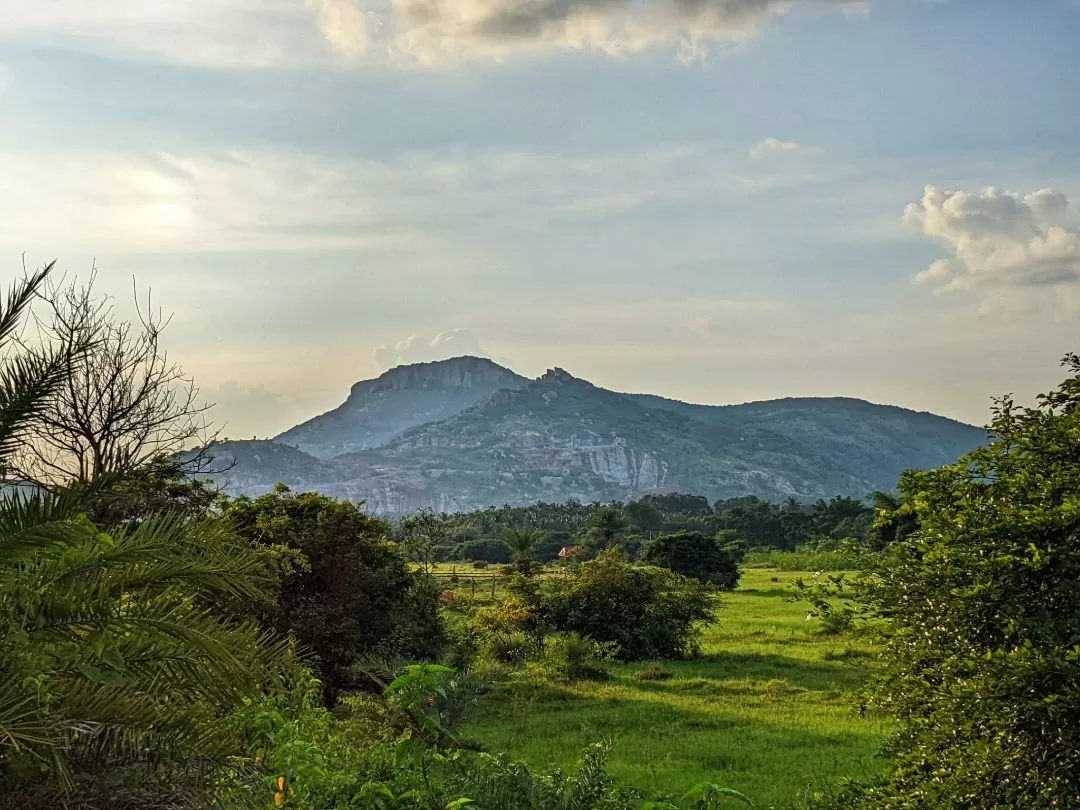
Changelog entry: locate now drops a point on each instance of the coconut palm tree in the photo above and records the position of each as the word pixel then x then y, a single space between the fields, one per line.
pixel 117 655
pixel 606 527
pixel 523 543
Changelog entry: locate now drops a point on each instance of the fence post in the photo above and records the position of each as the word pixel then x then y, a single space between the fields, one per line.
pixel 493 578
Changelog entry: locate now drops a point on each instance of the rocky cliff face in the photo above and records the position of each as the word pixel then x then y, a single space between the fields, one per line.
pixel 466 433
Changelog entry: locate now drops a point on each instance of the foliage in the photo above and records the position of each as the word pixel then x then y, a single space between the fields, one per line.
pixel 648 612
pixel 423 536
pixel 803 560
pixel 979 615
pixel 755 523
pixel 606 527
pixel 692 554
pixel 115 659
pixel 523 543
pixel 306 759
pixel 357 594
pixel 572 657
pixel 114 650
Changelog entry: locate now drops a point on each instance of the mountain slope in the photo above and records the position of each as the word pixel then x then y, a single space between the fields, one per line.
pixel 497 438
pixel 379 410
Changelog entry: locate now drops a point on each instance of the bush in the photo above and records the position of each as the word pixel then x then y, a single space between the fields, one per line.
pixel 353 593
pixel 692 554
pixel 574 658
pixel 649 613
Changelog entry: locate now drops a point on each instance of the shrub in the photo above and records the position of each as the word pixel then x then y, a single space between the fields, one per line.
pixel 574 658
pixel 512 648
pixel 480 564
pixel 692 554
pixel 355 594
pixel 649 613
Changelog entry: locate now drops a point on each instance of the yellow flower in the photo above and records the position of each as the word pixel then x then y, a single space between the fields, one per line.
pixel 281 783
pixel 279 799
pixel 258 759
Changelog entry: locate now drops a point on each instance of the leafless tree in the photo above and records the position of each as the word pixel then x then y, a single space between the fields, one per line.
pixel 125 407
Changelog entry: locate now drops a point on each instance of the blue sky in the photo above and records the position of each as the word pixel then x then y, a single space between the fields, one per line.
pixel 716 200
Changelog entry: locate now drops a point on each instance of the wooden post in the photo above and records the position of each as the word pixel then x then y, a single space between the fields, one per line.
pixel 493 578
pixel 473 581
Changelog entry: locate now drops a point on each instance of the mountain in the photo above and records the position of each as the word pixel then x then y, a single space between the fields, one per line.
pixel 466 433
pixel 381 409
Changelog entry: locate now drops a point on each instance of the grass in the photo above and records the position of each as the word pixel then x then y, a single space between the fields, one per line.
pixel 802 561
pixel 766 709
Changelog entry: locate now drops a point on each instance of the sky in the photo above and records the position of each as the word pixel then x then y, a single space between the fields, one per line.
pixel 712 200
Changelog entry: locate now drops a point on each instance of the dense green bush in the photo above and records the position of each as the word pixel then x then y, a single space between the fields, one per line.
pixel 979 614
pixel 572 657
pixel 648 612
pixel 692 554
pixel 355 594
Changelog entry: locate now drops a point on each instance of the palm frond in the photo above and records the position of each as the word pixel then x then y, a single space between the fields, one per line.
pixel 14 306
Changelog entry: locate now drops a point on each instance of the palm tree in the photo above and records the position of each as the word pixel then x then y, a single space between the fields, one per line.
pixel 606 527
pixel 117 655
pixel 522 542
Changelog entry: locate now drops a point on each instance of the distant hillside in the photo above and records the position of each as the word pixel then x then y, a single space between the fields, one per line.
pixel 466 433
pixel 381 409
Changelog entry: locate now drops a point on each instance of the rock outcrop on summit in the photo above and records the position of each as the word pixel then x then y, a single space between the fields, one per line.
pixel 467 433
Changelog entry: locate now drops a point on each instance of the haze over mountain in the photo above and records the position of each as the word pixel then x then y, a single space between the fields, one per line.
pixel 467 433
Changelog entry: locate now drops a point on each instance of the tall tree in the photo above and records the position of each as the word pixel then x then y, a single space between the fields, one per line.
pixel 979 612
pixel 523 543
pixel 606 527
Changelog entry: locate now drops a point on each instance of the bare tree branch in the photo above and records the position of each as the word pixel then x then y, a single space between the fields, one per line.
pixel 126 407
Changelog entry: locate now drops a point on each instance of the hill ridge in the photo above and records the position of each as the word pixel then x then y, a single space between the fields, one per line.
pixel 467 433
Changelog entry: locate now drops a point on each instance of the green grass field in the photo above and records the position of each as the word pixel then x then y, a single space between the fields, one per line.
pixel 765 710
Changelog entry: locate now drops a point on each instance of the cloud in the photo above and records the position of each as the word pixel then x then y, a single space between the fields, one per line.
pixel 277 33
pixel 772 146
pixel 346 27
pixel 1001 242
pixel 107 202
pixel 420 349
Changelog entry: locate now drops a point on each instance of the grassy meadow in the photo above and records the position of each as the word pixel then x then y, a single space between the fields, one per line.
pixel 766 709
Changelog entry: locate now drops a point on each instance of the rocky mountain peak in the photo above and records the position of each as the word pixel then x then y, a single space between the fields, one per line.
pixel 558 376
pixel 457 372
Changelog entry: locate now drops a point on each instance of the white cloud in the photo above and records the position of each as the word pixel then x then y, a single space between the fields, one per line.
pixel 773 146
pixel 275 33
pixel 421 349
pixel 346 27
pixel 1002 244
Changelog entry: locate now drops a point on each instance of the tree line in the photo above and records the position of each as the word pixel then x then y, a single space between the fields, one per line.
pixel 163 647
